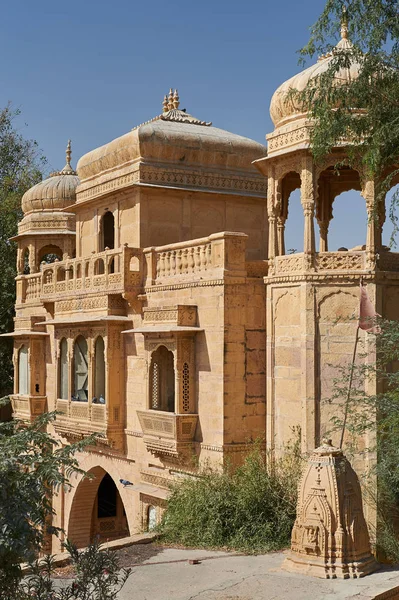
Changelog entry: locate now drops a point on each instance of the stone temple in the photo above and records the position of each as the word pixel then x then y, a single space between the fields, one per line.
pixel 157 306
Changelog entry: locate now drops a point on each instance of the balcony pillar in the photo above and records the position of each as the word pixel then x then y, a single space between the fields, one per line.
pixel 308 205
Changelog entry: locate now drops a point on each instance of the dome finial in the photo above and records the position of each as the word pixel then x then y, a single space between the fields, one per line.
pixel 176 100
pixel 165 104
pixel 170 99
pixel 344 24
pixel 68 153
pixel 67 170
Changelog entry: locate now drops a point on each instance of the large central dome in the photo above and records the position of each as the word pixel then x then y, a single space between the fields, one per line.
pixel 284 109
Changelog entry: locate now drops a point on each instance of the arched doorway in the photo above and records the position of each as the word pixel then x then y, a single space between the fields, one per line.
pixel 97 510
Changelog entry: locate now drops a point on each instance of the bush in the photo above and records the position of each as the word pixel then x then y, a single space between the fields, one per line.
pixel 250 509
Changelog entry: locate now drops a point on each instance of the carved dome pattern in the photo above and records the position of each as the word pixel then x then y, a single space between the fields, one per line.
pixel 54 193
pixel 284 109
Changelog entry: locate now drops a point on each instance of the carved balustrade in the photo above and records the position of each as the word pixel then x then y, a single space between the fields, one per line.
pixel 28 288
pixel 167 433
pixel 112 271
pixel 27 408
pixel 197 259
pixel 324 262
pixel 80 418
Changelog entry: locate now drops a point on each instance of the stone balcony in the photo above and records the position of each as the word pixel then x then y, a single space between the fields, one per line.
pixel 27 408
pixel 217 256
pixel 168 434
pixel 111 271
pixel 79 419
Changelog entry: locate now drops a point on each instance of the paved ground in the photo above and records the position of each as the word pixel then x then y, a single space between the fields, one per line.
pixel 167 575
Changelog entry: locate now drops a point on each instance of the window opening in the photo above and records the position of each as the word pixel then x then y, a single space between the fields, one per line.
pixel 23 371
pixel 186 388
pixel 63 370
pixel 81 369
pixel 108 231
pixel 99 374
pixel 162 380
pixel 151 518
pixel 26 267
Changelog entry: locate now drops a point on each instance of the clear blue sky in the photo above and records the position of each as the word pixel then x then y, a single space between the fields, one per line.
pixel 90 71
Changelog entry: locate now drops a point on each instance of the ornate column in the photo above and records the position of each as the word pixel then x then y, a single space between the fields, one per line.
pixel 308 205
pixel 323 226
pixel 32 258
pixel 373 227
pixel 271 212
pixel 280 235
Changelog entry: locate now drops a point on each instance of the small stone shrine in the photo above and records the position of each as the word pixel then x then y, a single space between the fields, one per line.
pixel 330 537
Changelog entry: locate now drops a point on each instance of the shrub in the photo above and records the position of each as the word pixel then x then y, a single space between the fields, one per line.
pixel 251 508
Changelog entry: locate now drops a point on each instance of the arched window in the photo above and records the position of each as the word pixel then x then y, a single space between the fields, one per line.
pixel 63 371
pixel 23 371
pixel 107 231
pixel 49 254
pixel 99 373
pixel 26 267
pixel 99 267
pixel 81 369
pixel 162 380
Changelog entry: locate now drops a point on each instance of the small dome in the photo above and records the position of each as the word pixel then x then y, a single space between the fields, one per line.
pixel 54 193
pixel 282 109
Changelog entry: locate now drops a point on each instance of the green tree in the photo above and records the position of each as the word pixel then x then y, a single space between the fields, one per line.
pixel 364 110
pixel 21 165
pixel 33 466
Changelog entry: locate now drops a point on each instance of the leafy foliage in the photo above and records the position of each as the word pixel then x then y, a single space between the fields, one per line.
pixel 98 575
pixel 376 417
pixel 32 463
pixel 363 111
pixel 20 167
pixel 251 508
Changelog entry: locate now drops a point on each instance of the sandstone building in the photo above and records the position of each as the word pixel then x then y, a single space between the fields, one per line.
pixel 172 321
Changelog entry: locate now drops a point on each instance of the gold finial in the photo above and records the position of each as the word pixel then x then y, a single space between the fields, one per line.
pixel 176 100
pixel 170 99
pixel 344 24
pixel 68 153
pixel 165 104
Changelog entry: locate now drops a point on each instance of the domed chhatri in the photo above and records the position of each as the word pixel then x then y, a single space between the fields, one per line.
pixel 284 109
pixel 54 193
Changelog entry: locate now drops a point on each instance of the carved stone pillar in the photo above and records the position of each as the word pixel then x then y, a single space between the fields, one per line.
pixel 373 226
pixel 323 226
pixel 32 259
pixel 280 236
pixel 308 205
pixel 20 261
pixel 271 211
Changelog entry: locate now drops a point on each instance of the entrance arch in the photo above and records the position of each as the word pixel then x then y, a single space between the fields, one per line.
pixel 90 516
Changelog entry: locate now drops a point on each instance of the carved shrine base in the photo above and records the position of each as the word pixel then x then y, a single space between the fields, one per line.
pixel 330 537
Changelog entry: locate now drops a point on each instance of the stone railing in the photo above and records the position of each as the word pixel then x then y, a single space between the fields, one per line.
pixel 28 288
pixel 114 271
pixel 212 256
pixel 81 418
pixel 167 433
pixel 27 408
pixel 323 262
